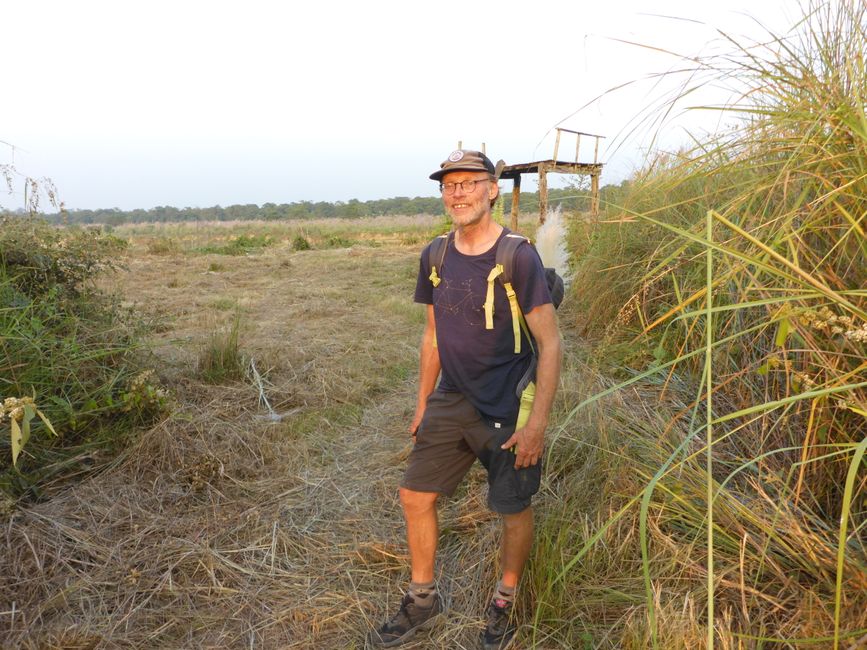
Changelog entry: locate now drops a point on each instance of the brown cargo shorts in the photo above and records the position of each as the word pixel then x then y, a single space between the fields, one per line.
pixel 451 437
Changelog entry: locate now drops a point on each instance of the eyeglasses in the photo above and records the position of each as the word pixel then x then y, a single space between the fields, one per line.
pixel 466 186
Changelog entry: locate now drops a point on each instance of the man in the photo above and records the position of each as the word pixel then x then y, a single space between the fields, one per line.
pixel 473 411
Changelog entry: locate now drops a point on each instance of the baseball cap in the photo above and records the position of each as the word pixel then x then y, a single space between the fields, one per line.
pixel 464 160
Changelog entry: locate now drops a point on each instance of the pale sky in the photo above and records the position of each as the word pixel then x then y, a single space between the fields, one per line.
pixel 189 103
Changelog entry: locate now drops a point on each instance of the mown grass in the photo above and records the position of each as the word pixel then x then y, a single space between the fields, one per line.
pixel 250 237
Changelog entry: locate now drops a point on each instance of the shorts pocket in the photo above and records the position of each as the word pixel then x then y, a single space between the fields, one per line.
pixel 527 480
pixel 509 486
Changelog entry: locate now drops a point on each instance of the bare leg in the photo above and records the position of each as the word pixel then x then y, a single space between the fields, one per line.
pixel 419 509
pixel 515 545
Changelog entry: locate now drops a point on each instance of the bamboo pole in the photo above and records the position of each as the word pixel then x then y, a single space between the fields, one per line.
pixel 594 196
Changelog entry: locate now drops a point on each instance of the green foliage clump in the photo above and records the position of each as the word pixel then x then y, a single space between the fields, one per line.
pixel 62 342
pixel 37 258
pixel 144 397
pixel 337 241
pixel 301 243
pixel 241 245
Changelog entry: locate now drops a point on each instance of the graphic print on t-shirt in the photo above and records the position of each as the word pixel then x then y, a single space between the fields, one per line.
pixel 457 298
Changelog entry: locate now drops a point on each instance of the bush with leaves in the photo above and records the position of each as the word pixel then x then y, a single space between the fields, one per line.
pixel 65 344
pixel 37 258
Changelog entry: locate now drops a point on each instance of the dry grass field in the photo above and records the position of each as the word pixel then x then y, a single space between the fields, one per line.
pixel 706 463
pixel 261 511
pixel 223 528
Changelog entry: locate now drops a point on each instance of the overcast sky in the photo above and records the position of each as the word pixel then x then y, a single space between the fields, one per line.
pixel 188 103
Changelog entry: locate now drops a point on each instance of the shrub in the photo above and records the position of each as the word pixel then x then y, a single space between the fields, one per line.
pixel 37 258
pixel 336 241
pixel 241 245
pixel 301 243
pixel 65 344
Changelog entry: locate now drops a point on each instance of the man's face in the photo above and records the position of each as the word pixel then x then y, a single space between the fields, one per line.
pixel 467 208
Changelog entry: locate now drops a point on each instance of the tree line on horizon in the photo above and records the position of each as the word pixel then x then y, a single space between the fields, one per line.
pixel 573 199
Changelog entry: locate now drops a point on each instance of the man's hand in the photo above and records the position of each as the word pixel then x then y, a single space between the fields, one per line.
pixel 416 422
pixel 528 442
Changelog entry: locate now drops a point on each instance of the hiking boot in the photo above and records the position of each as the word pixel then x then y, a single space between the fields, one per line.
pixel 499 629
pixel 401 627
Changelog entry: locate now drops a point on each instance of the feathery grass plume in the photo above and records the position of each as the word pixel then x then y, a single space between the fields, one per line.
pixel 551 243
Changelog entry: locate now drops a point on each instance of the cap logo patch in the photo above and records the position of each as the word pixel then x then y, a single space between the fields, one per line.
pixel 455 156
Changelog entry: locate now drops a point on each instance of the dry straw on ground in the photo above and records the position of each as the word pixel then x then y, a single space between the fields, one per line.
pixel 221 529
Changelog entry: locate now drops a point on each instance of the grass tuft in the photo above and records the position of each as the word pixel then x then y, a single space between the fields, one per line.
pixel 221 358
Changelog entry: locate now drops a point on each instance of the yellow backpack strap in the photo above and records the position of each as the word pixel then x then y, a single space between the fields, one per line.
pixel 517 315
pixel 489 299
pixel 436 256
pixel 506 250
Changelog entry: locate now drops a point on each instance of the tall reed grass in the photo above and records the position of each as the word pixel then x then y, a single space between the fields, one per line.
pixel 739 268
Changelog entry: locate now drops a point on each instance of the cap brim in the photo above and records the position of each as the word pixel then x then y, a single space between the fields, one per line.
pixel 437 175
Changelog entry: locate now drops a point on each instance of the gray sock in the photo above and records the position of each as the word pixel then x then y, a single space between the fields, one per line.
pixel 423 592
pixel 504 593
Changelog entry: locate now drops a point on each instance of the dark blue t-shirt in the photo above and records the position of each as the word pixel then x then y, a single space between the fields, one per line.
pixel 477 362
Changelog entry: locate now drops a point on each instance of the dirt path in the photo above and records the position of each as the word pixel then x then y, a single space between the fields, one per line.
pixel 221 529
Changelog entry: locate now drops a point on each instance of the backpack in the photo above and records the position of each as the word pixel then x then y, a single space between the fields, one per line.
pixel 507 247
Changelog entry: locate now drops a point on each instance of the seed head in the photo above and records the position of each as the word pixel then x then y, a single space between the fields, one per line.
pixel 857 335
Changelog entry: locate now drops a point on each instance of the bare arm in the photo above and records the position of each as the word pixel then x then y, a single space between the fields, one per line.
pixel 429 369
pixel 542 322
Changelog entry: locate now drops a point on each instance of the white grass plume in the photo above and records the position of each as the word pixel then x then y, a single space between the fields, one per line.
pixel 551 243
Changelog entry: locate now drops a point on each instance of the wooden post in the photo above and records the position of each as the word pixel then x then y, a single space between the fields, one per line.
pixel 577 146
pixel 596 152
pixel 543 193
pixel 594 195
pixel 516 198
pixel 557 144
pixel 483 149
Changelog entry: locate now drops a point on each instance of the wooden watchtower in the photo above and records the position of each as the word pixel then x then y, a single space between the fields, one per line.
pixel 556 166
